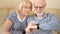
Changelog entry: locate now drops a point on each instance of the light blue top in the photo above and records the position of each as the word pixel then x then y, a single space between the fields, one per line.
pixel 48 24
pixel 17 27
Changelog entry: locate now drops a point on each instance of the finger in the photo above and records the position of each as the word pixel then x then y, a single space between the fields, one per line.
pixel 31 22
pixel 27 30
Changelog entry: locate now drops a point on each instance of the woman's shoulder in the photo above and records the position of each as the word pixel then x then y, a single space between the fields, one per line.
pixel 13 13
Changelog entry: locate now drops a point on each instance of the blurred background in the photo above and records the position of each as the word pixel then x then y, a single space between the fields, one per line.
pixel 6 6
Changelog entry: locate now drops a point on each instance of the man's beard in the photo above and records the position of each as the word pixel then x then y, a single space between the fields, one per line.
pixel 39 14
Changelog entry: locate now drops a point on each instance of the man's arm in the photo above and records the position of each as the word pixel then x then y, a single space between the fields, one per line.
pixel 53 24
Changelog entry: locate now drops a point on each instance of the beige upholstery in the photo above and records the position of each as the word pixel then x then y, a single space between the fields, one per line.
pixel 4 12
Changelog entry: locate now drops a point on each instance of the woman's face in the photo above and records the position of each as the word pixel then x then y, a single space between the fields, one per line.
pixel 26 9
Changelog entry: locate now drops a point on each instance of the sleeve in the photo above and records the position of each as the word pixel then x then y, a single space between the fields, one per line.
pixel 52 25
pixel 10 16
pixel 16 32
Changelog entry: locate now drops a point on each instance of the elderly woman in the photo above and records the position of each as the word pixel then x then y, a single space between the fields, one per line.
pixel 16 21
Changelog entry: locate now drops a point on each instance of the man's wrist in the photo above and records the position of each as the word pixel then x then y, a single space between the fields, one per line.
pixel 24 32
pixel 37 26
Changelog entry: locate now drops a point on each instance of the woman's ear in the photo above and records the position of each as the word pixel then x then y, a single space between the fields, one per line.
pixel 21 8
pixel 45 5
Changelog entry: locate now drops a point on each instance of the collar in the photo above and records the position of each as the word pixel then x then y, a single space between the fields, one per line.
pixel 19 18
pixel 44 16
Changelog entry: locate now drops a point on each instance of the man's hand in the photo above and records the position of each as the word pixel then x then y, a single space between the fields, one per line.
pixel 31 27
pixel 28 31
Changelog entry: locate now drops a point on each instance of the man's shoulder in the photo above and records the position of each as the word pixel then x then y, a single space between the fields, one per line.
pixel 50 14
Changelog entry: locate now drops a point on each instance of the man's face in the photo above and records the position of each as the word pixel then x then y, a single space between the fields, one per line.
pixel 39 7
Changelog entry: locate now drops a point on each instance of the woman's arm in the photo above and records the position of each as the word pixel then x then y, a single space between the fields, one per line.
pixel 6 26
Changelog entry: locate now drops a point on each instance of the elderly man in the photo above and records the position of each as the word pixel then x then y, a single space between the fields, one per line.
pixel 41 22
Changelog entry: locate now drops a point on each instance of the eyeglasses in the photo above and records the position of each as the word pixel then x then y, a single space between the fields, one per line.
pixel 27 7
pixel 36 7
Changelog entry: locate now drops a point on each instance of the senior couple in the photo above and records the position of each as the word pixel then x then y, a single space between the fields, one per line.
pixel 19 22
